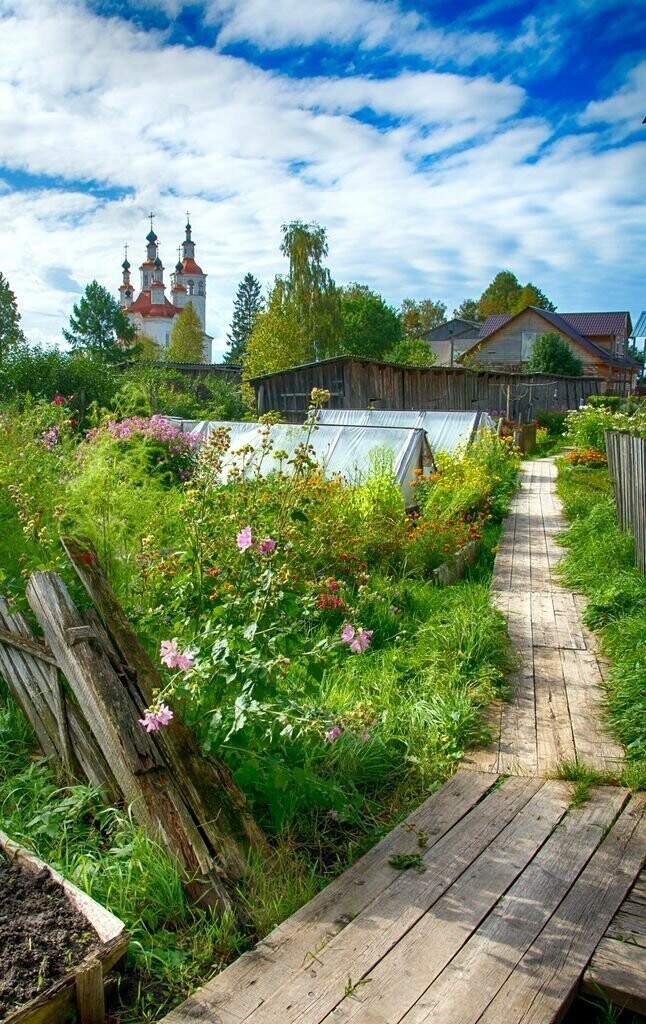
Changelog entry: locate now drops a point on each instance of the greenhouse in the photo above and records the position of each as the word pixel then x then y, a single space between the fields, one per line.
pixel 445 431
pixel 338 448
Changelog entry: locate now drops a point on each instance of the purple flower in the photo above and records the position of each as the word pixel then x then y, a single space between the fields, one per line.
pixel 155 717
pixel 332 734
pixel 245 538
pixel 266 546
pixel 172 657
pixel 357 640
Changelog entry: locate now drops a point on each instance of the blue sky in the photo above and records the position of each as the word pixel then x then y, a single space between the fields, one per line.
pixel 438 143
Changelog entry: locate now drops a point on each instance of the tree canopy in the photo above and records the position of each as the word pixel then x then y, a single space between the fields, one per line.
pixel 419 316
pixel 302 321
pixel 186 343
pixel 247 306
pixel 505 294
pixel 370 326
pixel 468 310
pixel 550 354
pixel 413 352
pixel 99 328
pixel 11 335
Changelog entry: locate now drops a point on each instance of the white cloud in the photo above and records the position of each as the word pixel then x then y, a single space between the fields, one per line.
pixel 368 24
pixel 462 184
pixel 624 110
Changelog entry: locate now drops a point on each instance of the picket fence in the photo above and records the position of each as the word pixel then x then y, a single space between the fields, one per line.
pixel 627 467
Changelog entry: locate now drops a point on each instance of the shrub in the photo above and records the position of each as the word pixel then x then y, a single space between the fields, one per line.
pixel 551 354
pixel 612 402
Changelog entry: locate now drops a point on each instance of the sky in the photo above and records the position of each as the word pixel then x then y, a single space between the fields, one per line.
pixel 436 142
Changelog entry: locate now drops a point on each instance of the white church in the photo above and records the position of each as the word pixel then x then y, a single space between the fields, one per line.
pixel 152 312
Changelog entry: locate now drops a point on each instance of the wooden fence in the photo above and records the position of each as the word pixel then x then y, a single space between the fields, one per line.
pixel 84 685
pixel 356 383
pixel 627 467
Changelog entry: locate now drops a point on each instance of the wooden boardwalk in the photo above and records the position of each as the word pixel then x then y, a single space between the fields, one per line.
pixel 516 888
pixel 556 709
pixel 512 888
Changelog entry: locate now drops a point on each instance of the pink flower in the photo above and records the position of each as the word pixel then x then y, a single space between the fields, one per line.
pixel 245 538
pixel 184 661
pixel 332 734
pixel 357 641
pixel 266 546
pixel 58 400
pixel 365 736
pixel 155 717
pixel 172 657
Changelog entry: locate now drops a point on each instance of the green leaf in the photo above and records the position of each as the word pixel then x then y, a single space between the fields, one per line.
pixel 298 516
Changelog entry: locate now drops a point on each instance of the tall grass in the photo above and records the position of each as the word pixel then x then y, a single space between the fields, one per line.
pixel 600 563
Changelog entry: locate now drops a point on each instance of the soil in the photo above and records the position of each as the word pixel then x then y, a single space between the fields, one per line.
pixel 42 935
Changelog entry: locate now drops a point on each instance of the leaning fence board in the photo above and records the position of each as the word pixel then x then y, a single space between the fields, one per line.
pixel 139 767
pixel 627 467
pixel 205 783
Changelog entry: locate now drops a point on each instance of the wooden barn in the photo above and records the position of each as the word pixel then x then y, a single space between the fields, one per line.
pixel 356 383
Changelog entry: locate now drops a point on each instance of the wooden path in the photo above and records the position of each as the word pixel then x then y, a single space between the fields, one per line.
pixel 555 713
pixel 511 888
pixel 516 888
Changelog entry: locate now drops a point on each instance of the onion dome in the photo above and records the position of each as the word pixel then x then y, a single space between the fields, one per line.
pixel 158 263
pixel 178 267
pixel 151 236
pixel 125 265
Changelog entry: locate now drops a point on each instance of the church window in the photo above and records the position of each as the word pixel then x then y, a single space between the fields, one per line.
pixel 145 280
pixel 190 286
pixel 200 288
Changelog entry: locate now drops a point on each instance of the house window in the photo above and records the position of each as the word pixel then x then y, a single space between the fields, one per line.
pixel 620 345
pixel 527 339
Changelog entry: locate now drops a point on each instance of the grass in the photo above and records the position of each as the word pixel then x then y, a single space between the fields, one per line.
pixel 600 564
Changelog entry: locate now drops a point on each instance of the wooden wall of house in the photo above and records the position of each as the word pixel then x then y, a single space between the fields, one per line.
pixel 359 384
pixel 503 350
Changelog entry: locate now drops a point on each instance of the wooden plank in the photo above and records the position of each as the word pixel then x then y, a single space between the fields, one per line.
pixel 546 979
pixel 89 992
pixel 593 741
pixel 617 972
pixel 318 988
pixel 473 978
pixel 398 981
pixel 257 975
pixel 554 738
pixel 22 643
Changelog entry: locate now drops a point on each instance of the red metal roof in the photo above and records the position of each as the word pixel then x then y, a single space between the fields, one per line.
pixel 190 267
pixel 146 308
pixel 492 323
pixel 597 324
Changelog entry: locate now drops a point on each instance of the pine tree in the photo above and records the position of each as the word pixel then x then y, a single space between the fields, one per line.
pixel 186 338
pixel 246 309
pixel 11 335
pixel 99 328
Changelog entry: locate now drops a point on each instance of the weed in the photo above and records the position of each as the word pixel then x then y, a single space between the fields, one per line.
pixel 403 861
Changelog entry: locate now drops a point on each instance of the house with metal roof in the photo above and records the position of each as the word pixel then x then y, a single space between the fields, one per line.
pixel 450 339
pixel 599 340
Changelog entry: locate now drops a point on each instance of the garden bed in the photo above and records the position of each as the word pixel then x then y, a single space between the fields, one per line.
pixel 57 943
